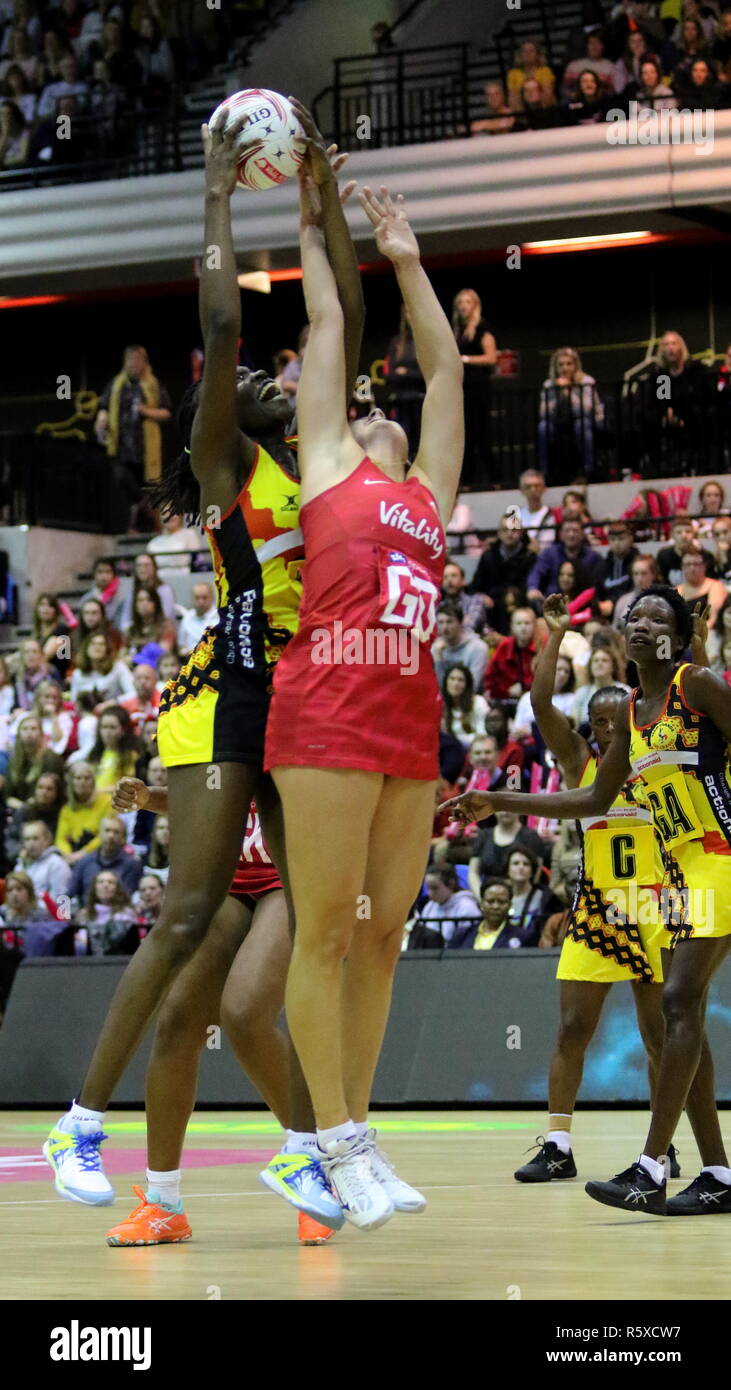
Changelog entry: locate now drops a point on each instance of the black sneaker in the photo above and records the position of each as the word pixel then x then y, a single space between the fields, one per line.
pixel 633 1190
pixel 706 1196
pixel 673 1167
pixel 549 1164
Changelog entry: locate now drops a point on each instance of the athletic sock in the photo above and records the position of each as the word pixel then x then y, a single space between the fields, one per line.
pixel 361 1128
pixel 653 1167
pixel 719 1173
pixel 561 1138
pixel 164 1187
pixel 77 1115
pixel 345 1133
pixel 299 1141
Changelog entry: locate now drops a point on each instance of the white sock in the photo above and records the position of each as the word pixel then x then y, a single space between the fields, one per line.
pixel 560 1137
pixel 361 1128
pixel 298 1141
pixel 77 1115
pixel 653 1167
pixel 165 1186
pixel 721 1174
pixel 345 1133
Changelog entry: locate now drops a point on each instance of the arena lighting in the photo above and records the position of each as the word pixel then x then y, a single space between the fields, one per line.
pixel 293 273
pixel 32 301
pixel 257 280
pixel 581 243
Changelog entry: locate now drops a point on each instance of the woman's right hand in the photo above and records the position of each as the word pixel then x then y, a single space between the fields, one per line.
pixel 556 613
pixel 394 237
pixel 130 794
pixel 469 807
pixel 222 154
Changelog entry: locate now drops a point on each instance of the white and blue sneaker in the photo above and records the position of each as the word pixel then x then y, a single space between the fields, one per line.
pixel 404 1197
pixel 299 1178
pixel 75 1157
pixel 348 1169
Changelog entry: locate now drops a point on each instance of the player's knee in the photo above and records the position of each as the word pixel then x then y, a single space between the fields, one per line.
pixel 184 927
pixel 327 945
pixel 652 1040
pixel 174 1026
pixel 244 1022
pixel 382 939
pixel 575 1030
pixel 681 1004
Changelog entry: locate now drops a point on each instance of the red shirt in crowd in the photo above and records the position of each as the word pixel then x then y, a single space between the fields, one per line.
pixel 510 663
pixel 141 714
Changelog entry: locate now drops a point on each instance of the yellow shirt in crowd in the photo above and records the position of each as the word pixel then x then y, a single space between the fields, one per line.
pixel 73 825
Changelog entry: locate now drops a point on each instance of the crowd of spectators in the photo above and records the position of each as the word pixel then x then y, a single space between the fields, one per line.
pixel 108 65
pixel 79 703
pixel 674 409
pixel 660 57
pixel 509 881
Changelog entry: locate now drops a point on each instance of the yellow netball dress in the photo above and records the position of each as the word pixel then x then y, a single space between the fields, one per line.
pixel 683 762
pixel 216 708
pixel 615 930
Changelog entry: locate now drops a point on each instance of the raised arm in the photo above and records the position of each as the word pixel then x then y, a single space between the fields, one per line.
pixel 567 746
pixel 441 447
pixel 339 243
pixel 614 769
pixel 216 443
pixel 325 441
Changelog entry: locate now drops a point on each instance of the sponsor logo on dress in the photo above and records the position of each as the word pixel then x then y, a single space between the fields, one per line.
pixel 400 516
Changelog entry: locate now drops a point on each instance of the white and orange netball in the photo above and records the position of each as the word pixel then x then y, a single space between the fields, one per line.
pixel 271 141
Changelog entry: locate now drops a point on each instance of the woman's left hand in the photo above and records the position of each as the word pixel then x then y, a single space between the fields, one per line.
pixel 699 638
pixel 470 806
pixel 394 237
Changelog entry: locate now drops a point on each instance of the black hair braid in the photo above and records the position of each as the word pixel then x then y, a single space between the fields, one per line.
pixel 177 492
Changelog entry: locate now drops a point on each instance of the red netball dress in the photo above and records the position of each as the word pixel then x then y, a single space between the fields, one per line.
pixel 356 686
pixel 255 873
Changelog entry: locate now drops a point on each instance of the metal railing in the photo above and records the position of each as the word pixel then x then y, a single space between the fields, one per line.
pixel 410 96
pixel 126 144
pixel 615 431
pixel 416 95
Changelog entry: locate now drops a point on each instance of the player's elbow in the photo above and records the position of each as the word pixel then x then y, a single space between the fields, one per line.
pixel 221 324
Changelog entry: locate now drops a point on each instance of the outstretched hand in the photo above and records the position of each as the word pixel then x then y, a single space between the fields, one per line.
pixel 394 237
pixel 469 807
pixel 222 154
pixel 321 162
pixel 701 615
pixel 556 613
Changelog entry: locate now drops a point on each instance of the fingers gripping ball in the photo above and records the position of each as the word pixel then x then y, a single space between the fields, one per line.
pixel 271 140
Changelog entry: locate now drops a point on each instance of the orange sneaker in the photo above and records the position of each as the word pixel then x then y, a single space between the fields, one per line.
pixel 150 1224
pixel 311 1232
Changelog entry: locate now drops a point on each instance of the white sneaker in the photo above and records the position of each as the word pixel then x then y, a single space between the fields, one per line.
pixel 76 1160
pixel 404 1198
pixel 347 1167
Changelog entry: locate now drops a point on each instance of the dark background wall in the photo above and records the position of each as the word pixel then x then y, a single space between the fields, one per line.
pixel 470 1029
pixel 588 300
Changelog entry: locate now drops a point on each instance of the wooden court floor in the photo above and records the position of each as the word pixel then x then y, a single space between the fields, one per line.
pixel 482 1237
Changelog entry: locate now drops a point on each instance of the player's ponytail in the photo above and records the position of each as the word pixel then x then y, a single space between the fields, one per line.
pixel 177 492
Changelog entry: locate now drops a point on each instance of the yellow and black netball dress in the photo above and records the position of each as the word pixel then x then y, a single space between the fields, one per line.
pixel 615 930
pixel 683 762
pixel 216 709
